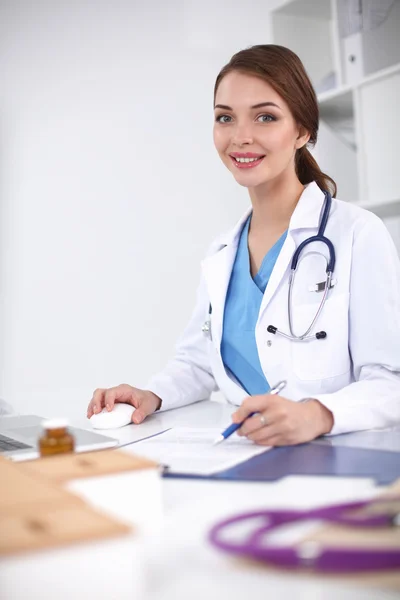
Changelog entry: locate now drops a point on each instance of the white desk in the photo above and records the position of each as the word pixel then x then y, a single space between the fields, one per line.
pixel 174 561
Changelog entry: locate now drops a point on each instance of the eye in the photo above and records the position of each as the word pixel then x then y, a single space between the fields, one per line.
pixel 223 119
pixel 266 118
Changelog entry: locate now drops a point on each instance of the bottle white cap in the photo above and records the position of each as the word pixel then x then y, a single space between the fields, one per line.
pixel 55 424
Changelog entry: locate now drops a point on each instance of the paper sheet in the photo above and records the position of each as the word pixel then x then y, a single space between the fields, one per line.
pixel 189 450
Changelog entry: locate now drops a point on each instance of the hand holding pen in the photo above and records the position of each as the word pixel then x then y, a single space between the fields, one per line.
pixel 235 426
pixel 277 421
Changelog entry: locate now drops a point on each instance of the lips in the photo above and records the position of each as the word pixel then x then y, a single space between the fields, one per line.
pixel 246 160
pixel 246 155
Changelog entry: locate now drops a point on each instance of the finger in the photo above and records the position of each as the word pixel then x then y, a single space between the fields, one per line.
pixel 265 434
pixel 141 413
pixel 120 393
pixel 254 423
pixel 96 404
pixel 271 416
pixel 252 404
pixel 271 442
pixel 111 396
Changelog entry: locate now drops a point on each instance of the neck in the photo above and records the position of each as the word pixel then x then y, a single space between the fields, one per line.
pixel 274 203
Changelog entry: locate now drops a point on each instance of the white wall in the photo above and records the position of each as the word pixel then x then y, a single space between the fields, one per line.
pixel 110 187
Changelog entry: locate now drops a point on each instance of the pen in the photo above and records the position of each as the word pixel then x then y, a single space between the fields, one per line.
pixel 235 426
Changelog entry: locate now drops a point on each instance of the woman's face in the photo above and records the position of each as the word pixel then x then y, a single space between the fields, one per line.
pixel 255 133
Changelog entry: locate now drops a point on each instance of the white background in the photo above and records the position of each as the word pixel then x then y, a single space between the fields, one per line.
pixel 110 188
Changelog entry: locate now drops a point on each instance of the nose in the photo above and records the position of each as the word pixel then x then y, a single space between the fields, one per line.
pixel 242 135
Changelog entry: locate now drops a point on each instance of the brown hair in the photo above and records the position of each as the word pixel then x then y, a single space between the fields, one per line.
pixel 284 71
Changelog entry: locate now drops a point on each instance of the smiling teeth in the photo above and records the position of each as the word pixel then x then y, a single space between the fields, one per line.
pixel 247 160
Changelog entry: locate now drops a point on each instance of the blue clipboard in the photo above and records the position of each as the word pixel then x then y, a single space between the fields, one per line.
pixel 312 459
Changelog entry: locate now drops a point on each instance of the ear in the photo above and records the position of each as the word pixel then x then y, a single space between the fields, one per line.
pixel 302 138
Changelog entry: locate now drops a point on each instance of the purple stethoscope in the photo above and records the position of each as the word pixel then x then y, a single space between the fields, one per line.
pixel 311 554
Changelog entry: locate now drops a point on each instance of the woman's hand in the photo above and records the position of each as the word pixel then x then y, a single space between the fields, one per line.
pixel 282 422
pixel 144 401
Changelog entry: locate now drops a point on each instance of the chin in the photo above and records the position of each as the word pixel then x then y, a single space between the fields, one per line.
pixel 250 180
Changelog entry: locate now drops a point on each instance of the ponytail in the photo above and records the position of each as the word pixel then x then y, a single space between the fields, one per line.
pixel 307 170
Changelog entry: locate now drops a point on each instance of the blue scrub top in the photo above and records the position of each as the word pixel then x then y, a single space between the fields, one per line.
pixel 242 306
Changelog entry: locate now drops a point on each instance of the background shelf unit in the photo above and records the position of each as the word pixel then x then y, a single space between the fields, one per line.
pixel 357 79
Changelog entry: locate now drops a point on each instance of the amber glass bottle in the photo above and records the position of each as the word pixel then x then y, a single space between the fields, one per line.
pixel 56 438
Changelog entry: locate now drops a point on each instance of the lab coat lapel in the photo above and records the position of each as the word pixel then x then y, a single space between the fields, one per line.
pixel 217 270
pixel 278 273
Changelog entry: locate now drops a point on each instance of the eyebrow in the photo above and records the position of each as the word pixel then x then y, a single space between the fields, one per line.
pixel 261 105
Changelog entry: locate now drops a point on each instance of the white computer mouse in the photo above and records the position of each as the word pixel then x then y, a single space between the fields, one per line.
pixel 120 415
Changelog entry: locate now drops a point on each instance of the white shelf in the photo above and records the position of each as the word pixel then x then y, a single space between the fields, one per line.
pixel 312 9
pixel 359 118
pixel 339 101
pixel 383 73
pixel 336 104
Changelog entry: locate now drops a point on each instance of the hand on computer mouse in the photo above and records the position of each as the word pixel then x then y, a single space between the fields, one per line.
pixel 144 401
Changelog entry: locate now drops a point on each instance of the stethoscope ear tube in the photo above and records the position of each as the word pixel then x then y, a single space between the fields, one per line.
pixel 316 238
pixel 320 237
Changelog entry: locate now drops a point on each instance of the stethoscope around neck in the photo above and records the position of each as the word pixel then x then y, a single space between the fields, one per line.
pixel 320 237
pixel 323 286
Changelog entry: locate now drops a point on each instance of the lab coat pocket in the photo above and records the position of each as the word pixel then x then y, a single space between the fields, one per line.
pixel 328 357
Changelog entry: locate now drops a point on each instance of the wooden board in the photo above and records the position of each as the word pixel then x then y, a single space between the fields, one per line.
pixel 65 467
pixel 37 513
pixel 21 491
pixel 58 526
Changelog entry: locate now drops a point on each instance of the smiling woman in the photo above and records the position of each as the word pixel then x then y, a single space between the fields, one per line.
pixel 278 122
pixel 344 378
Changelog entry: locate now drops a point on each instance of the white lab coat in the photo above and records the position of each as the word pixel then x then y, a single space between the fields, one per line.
pixel 355 370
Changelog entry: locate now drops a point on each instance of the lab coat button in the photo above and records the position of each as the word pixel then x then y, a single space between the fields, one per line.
pixel 269 343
